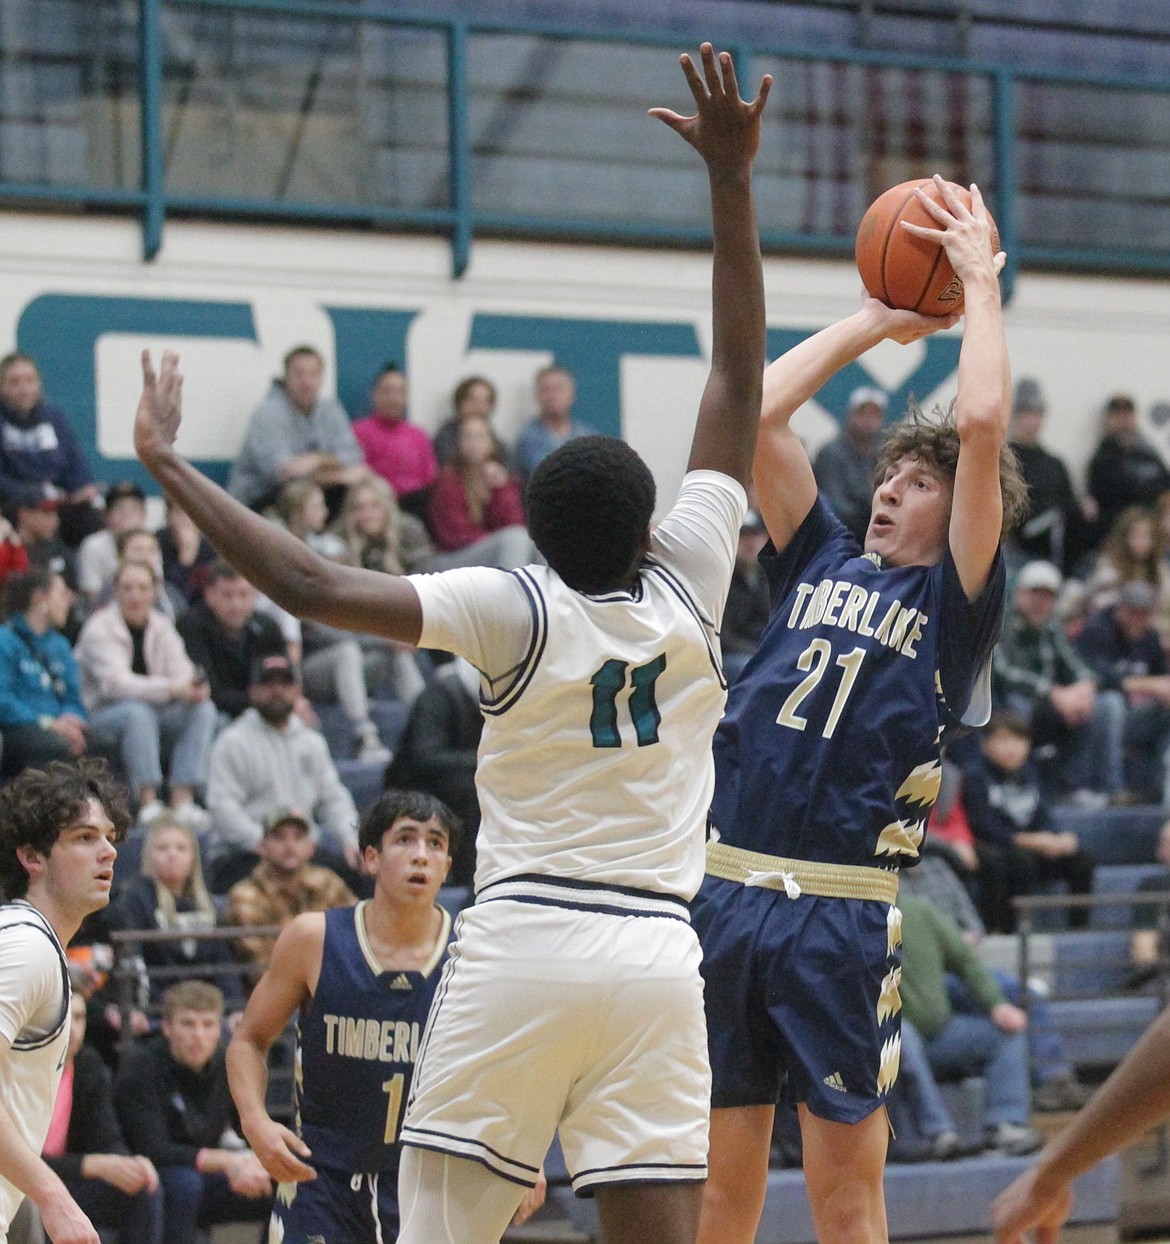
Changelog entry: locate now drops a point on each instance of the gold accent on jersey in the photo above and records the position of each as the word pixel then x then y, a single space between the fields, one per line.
pixel 921 784
pixel 890 999
pixel 900 838
pixel 890 1062
pixel 823 880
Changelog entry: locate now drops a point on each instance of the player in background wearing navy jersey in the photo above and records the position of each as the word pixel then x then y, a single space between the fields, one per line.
pixel 58 827
pixel 827 760
pixel 362 980
pixel 573 1002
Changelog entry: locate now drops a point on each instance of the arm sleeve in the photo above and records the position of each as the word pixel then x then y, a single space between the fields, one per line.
pixel 339 436
pixel 227 795
pixel 476 612
pixel 964 961
pixel 820 542
pixel 969 633
pixel 14 708
pixel 698 538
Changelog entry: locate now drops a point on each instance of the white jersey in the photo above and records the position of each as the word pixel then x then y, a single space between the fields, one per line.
pixel 595 761
pixel 34 1024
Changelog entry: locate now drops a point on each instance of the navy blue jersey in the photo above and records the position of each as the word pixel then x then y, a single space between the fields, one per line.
pixel 357 1041
pixel 829 749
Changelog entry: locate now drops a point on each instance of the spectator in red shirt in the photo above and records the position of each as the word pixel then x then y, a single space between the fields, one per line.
pixel 399 451
pixel 475 513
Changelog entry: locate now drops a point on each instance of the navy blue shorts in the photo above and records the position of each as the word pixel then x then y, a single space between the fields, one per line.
pixel 337 1208
pixel 805 988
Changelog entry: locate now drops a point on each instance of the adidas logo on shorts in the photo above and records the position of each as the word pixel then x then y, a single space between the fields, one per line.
pixel 835 1082
pixel 401 981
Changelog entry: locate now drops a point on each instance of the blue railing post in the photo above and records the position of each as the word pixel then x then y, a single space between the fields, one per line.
pixel 150 69
pixel 1004 85
pixel 458 147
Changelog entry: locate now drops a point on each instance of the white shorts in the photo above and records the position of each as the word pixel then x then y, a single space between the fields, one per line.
pixel 582 1020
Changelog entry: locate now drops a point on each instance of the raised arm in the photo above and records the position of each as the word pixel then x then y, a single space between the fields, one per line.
pixel 279 564
pixel 984 404
pixel 725 131
pixel 785 486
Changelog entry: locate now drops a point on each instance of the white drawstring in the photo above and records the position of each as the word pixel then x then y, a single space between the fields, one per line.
pixel 790 883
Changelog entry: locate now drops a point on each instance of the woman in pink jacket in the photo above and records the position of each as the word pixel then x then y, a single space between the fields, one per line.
pixel 139 684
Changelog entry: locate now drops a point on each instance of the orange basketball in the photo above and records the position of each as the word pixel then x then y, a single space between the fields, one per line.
pixel 900 269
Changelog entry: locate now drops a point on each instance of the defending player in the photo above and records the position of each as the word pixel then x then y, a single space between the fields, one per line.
pixel 573 999
pixel 827 758
pixel 362 979
pixel 58 826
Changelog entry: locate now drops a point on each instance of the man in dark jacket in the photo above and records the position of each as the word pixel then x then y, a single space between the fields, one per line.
pixel 1125 468
pixel 40 456
pixel 85 1146
pixel 225 636
pixel 174 1105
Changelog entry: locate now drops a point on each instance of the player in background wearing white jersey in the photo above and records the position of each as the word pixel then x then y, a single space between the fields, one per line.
pixel 58 826
pixel 573 1001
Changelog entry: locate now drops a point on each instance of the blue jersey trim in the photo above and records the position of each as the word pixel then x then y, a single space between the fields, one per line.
pixel 539 608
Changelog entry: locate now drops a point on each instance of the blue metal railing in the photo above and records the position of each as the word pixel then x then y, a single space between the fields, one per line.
pixel 461 221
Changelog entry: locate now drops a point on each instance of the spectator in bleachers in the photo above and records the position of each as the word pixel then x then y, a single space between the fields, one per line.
pixel 97 558
pixel 749 603
pixel 1134 551
pixel 337 665
pixel 1055 525
pixel 85 1147
pixel 266 759
pixel 225 635
pixel 1125 468
pixel 138 682
pixel 438 753
pixel 844 466
pixel 283 884
pixel 1019 851
pixel 41 458
pixel 171 895
pixel 142 547
pixel 295 433
pixel 1122 646
pixel 38 529
pixel 988 1039
pixel 1077 730
pixel 186 553
pixel 42 716
pixel 474 396
pixel 173 1102
pixel 379 535
pixel 921 1123
pixel 556 392
pixel 395 449
pixel 475 513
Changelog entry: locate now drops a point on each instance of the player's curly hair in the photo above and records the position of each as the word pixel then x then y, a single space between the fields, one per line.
pixel 934 440
pixel 416 804
pixel 38 804
pixel 589 505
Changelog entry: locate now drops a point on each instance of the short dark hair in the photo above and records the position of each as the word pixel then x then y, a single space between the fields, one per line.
pixel 464 387
pixel 303 351
pixel 392 805
pixel 21 586
pixel 387 369
pixel 589 507
pixel 9 361
pixel 934 441
pixel 39 803
pixel 1004 721
pixel 220 569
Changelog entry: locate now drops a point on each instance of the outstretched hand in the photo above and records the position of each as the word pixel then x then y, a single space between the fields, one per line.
pixel 1023 1209
pixel 159 408
pixel 965 233
pixel 726 129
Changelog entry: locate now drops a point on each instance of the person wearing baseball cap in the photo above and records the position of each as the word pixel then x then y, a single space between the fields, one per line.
pixel 1077 726
pixel 844 467
pixel 284 883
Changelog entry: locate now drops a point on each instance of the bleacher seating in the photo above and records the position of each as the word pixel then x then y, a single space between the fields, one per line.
pixel 388 715
pixel 1114 835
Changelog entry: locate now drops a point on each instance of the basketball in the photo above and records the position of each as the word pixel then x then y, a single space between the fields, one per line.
pixel 900 269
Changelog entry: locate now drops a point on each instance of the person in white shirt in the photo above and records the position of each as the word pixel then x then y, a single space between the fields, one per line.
pixel 58 827
pixel 574 1002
